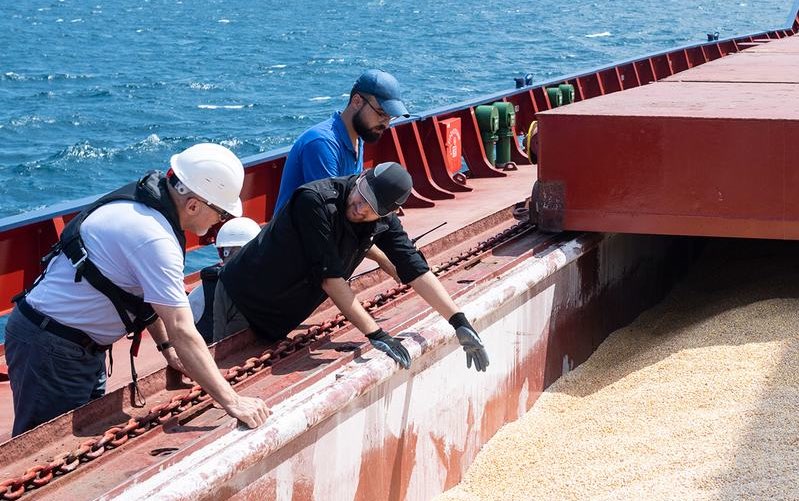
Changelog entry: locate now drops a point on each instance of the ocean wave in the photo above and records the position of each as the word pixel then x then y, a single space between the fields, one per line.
pixel 224 21
pixel 94 92
pixel 16 77
pixel 150 142
pixel 152 146
pixel 224 106
pixel 142 85
pixel 324 60
pixel 28 120
pixel 320 98
pixel 597 35
pixel 85 151
pixel 231 143
pixel 278 66
pixel 202 86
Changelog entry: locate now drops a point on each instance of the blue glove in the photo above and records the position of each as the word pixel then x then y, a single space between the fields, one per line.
pixel 391 346
pixel 468 338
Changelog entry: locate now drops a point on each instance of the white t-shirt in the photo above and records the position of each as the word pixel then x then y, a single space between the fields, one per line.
pixel 131 244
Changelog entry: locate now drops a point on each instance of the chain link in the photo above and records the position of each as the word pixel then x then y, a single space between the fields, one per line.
pixel 14 488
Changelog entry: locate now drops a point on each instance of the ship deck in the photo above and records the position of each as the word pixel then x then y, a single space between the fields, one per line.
pixel 709 151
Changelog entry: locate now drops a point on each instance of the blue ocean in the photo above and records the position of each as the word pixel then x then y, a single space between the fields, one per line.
pixel 93 93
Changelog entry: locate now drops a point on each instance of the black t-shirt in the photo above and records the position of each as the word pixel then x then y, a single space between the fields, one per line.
pixel 275 280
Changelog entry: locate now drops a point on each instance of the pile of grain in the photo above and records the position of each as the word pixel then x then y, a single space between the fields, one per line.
pixel 697 399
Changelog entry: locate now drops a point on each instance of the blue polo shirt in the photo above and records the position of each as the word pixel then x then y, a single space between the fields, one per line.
pixel 323 151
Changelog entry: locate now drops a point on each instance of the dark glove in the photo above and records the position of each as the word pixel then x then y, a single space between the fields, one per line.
pixel 468 338
pixel 391 346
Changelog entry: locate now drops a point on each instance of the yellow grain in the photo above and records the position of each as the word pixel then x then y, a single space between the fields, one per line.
pixel 697 399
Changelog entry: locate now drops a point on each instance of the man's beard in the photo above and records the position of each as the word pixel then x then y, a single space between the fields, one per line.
pixel 365 133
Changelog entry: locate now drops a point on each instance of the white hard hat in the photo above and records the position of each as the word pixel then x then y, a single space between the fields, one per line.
pixel 237 232
pixel 212 172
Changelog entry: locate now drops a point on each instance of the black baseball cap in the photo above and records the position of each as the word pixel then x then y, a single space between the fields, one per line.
pixel 386 187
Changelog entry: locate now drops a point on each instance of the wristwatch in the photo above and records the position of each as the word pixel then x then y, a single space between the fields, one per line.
pixel 163 346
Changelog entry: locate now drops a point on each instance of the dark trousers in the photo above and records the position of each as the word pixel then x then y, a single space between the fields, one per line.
pixel 49 375
pixel 228 320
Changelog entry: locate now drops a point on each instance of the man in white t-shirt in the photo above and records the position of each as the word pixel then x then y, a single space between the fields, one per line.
pixel 119 264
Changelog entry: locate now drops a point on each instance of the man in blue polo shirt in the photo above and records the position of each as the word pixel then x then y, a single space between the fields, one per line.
pixel 335 147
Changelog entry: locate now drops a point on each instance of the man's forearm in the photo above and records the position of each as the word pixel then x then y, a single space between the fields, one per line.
pixel 429 287
pixel 200 365
pixel 346 301
pixel 157 331
pixel 383 262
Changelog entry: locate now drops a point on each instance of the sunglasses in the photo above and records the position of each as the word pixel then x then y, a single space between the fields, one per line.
pixel 223 214
pixel 380 112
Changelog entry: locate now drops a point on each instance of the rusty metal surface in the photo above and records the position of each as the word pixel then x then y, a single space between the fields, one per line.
pixel 375 432
pixel 298 371
pixel 473 213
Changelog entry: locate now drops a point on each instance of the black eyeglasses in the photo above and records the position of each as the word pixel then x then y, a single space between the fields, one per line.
pixel 381 113
pixel 223 214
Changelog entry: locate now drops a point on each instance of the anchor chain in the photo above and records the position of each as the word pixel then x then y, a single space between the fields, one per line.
pixel 40 475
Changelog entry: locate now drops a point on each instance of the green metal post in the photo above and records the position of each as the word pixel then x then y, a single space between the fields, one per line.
pixel 567 93
pixel 488 122
pixel 555 96
pixel 507 120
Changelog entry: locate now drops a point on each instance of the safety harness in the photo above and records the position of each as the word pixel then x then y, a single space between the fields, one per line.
pixel 151 190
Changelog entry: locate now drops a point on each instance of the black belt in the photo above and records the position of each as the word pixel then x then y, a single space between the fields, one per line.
pixel 71 334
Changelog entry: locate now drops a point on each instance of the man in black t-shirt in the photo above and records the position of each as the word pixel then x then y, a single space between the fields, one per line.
pixel 310 248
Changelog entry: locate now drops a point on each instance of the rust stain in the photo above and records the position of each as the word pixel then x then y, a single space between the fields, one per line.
pixel 452 461
pixel 386 472
pixel 404 461
pixel 303 490
pixel 264 488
